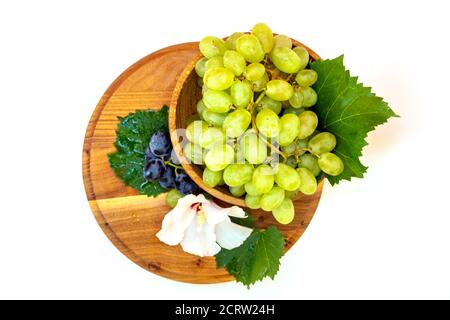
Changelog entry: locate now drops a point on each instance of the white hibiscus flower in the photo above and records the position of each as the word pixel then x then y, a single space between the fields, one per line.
pixel 202 227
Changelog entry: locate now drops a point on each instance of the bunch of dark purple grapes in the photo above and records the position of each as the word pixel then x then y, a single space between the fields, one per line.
pixel 163 166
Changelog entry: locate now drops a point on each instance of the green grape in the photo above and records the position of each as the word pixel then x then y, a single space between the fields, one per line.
pixel 309 96
pixel 263 178
pixel 217 101
pixel 237 191
pixel 254 71
pixel 253 202
pixel 310 162
pixel 291 161
pixel 236 174
pixel 218 78
pixel 296 101
pixel 303 55
pixel 253 148
pixel 194 153
pixel 290 194
pixel 309 182
pixel 212 178
pixel 214 118
pixel 272 199
pixel 282 41
pixel 301 146
pixel 260 84
pixel 297 147
pixel 211 136
pixel 290 148
pixel 195 130
pixel 172 198
pixel 279 90
pixel 200 67
pixel 212 46
pixel 285 212
pixel 322 143
pixel 331 164
pixel 241 93
pixel 234 61
pixel 268 123
pixel 200 108
pixel 230 43
pixel 200 82
pixel 296 111
pixel 221 182
pixel 250 48
pixel 269 103
pixel 214 62
pixel 290 127
pixel 264 35
pixel 306 78
pixel 286 177
pixel 219 157
pixel 308 124
pixel 237 122
pixel 285 59
pixel 251 190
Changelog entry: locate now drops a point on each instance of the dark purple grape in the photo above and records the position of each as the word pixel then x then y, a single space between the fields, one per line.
pixel 181 177
pixel 154 169
pixel 167 181
pixel 149 155
pixel 185 185
pixel 160 144
pixel 174 158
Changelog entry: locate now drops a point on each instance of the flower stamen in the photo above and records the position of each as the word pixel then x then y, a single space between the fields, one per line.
pixel 201 218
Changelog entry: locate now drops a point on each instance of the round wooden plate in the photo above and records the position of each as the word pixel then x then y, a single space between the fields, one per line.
pixel 131 220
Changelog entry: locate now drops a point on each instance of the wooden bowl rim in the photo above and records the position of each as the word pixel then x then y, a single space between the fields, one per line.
pixel 175 138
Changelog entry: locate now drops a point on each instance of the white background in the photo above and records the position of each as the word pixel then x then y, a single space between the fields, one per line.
pixel 386 236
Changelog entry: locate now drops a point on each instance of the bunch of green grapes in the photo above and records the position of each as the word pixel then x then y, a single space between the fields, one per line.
pixel 254 131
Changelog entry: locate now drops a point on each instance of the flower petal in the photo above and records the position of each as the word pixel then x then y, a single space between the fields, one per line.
pixel 236 212
pixel 233 211
pixel 201 198
pixel 177 220
pixel 200 240
pixel 213 213
pixel 231 235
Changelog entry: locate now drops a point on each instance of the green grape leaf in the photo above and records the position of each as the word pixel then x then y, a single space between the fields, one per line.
pixel 245 222
pixel 258 257
pixel 348 110
pixel 133 135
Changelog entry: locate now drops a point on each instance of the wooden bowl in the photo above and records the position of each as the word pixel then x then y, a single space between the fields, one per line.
pixel 183 105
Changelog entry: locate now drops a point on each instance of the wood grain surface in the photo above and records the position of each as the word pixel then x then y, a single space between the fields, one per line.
pixel 131 220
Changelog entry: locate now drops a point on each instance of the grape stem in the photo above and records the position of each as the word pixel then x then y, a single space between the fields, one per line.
pixel 260 97
pixel 272 147
pixel 310 151
pixel 173 165
pixel 289 78
pixel 274 73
